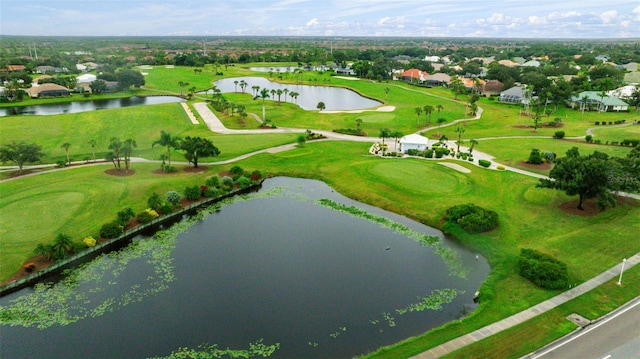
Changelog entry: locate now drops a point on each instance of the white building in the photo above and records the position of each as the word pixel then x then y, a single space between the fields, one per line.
pixel 413 142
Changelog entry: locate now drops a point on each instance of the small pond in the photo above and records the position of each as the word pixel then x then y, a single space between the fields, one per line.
pixel 334 98
pixel 91 105
pixel 280 265
pixel 285 69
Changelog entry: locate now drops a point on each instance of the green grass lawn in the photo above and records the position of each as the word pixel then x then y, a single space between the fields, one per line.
pixel 616 133
pixel 514 151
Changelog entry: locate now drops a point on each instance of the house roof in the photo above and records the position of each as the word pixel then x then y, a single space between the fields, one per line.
pixel 494 86
pixel 35 90
pixel 508 63
pixel 438 77
pixel 513 91
pixel 16 67
pixel 624 91
pixel 86 78
pixel 471 82
pixel 531 63
pixel 414 139
pixel 414 73
pixel 596 96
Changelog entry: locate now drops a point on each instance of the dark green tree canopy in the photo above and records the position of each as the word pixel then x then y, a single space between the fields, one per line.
pixel 128 78
pixel 21 153
pixel 592 176
pixel 196 147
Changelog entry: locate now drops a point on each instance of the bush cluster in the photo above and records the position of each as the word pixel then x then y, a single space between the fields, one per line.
pixel 472 218
pixel 542 269
pixel 558 135
pixel 147 216
pixel 484 163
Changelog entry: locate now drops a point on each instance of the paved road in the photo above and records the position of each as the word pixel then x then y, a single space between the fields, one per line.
pixel 616 336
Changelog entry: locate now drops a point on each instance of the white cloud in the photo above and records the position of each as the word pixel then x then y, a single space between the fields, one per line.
pixel 609 16
pixel 312 22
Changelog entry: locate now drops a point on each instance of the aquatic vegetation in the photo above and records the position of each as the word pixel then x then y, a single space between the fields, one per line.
pixel 208 351
pixel 433 301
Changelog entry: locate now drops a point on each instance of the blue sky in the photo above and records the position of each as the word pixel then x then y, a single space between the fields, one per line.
pixel 424 18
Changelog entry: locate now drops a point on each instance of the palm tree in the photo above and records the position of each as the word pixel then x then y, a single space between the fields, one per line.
pixel 93 144
pixel 418 112
pixel 286 92
pixel 127 148
pixel 243 85
pixel 273 93
pixel 428 109
pixel 62 247
pixel 115 145
pixel 294 95
pixel 236 85
pixel 264 94
pixel 66 146
pixel 384 133
pixel 182 85
pixel 279 93
pixel 583 102
pixel 167 140
pixel 396 135
pixel 473 142
pixel 43 250
pixel 460 130
pixel 439 108
pixel 386 92
pixel 255 89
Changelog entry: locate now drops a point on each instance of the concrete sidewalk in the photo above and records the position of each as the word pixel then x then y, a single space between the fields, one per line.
pixel 527 314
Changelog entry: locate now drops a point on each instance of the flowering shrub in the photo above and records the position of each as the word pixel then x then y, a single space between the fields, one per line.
pixel 89 241
pixel 29 267
pixel 147 215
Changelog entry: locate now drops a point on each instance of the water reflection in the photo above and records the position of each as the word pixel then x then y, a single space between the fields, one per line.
pixel 334 98
pixel 83 106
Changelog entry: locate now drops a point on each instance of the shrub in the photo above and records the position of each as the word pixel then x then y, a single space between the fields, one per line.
pixel 632 143
pixel 227 183
pixel 542 269
pixel 89 241
pixel 111 230
pixel 413 152
pixel 169 169
pixel 597 123
pixel 484 163
pixel 193 193
pixel 244 182
pixel 213 181
pixel 588 138
pixel 500 167
pixel 535 157
pixel 428 153
pixel 166 208
pixel 124 216
pixel 558 135
pixel 211 192
pixel 173 197
pixel 61 163
pixel 472 218
pixel 147 216
pixel 29 267
pixel 154 201
pixel 236 170
pixel 440 151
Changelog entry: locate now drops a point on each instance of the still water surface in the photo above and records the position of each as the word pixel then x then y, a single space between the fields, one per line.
pixel 83 106
pixel 334 98
pixel 281 268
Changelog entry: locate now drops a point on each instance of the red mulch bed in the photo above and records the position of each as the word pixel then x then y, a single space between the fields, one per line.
pixel 590 207
pixel 39 264
pixel 542 167
pixel 120 173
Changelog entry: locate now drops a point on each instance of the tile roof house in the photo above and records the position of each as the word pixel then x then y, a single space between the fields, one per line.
pixel 492 87
pixel 47 90
pixel 413 75
pixel 438 79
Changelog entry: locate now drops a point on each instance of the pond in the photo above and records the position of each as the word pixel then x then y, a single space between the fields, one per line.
pixel 334 98
pixel 295 264
pixel 83 106
pixel 285 69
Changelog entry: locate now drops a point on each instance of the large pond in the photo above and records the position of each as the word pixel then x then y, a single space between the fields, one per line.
pixel 295 264
pixel 83 106
pixel 334 98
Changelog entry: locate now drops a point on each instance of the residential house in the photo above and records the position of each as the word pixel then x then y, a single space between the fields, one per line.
pixel 47 90
pixel 438 79
pixel 514 94
pixel 624 92
pixel 472 84
pixel 601 101
pixel 531 63
pixel 413 142
pixel 15 68
pixel 508 63
pixel 413 76
pixel 45 69
pixel 492 88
